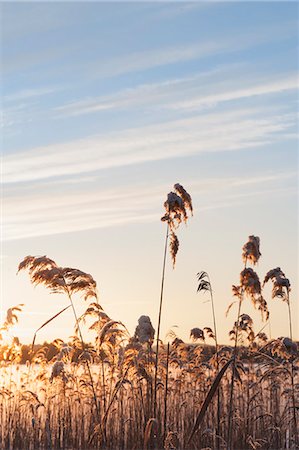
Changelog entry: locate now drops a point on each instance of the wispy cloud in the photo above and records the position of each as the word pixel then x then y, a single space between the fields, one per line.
pixel 143 94
pixel 149 59
pixel 226 131
pixel 188 93
pixel 42 213
pixel 172 10
pixel 290 83
pixel 29 93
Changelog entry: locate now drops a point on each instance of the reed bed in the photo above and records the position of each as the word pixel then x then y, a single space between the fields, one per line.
pixel 136 392
pixel 40 411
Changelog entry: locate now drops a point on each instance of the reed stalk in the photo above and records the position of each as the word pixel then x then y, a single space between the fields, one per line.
pixel 159 322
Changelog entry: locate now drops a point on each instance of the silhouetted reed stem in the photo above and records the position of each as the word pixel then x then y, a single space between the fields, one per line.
pixel 214 315
pixel 231 395
pixel 165 395
pixel 159 321
pixel 292 376
pixel 217 364
pixel 83 348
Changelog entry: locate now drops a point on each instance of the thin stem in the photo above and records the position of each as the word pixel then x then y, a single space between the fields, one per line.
pixel 214 315
pixel 230 418
pixel 165 395
pixel 159 321
pixel 217 365
pixel 83 348
pixel 292 374
pixel 290 317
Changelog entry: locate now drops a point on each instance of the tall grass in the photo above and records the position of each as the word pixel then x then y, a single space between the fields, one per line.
pixel 121 392
pixel 40 412
pixel 177 206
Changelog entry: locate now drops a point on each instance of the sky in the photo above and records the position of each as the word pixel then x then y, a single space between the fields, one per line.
pixel 105 106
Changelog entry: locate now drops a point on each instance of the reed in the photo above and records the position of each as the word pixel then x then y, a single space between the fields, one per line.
pixel 120 392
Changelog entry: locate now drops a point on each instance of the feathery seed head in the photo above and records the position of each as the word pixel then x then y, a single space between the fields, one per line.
pixel 174 246
pixel 175 210
pixel 177 205
pixel 281 285
pixel 43 270
pixel 57 369
pixel 245 322
pixel 197 334
pixel 250 284
pixel 185 196
pixel 290 345
pixel 144 331
pixel 251 250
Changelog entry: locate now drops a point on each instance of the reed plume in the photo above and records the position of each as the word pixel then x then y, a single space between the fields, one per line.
pixel 144 331
pixel 177 206
pixel 281 289
pixel 43 270
pixel 204 285
pixel 251 250
pixel 281 284
pixel 197 334
pixel 250 285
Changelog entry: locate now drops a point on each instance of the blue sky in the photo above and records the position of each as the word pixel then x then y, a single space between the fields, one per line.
pixel 105 107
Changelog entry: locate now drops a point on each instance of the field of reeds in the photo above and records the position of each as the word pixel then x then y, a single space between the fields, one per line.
pixel 137 392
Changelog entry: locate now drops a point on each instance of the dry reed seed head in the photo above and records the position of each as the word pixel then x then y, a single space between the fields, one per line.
pixel 273 274
pixel 9 316
pixel 110 332
pixel 262 306
pixel 250 282
pixel 176 342
pixel 65 350
pixel 281 285
pixel 204 283
pixel 78 281
pixel 103 318
pixel 144 331
pixel 284 347
pixel 36 263
pixel 175 210
pixel 262 337
pixel 16 341
pixel 174 246
pixel 245 322
pixel 210 333
pixel 51 278
pixel 185 196
pixel 43 270
pixel 85 356
pixel 251 285
pixel 290 346
pixel 176 206
pixel 237 292
pixel 57 370
pixel 197 334
pixel 251 250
